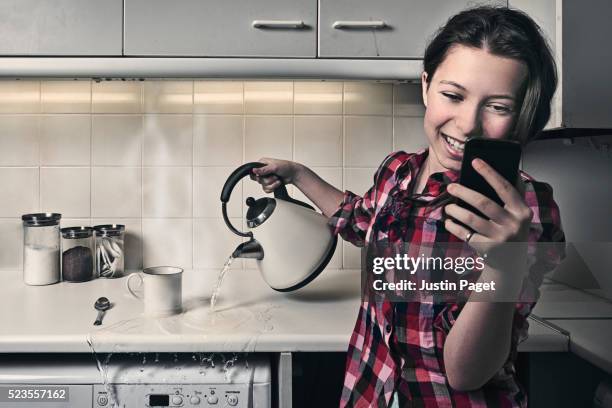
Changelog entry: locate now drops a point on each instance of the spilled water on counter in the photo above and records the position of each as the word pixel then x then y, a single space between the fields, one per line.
pixel 111 344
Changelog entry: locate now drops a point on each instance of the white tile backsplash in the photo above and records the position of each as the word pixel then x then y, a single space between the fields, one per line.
pixel 359 180
pixel 168 96
pixel 65 140
pixel 11 243
pixel 318 98
pixel 268 98
pixel 213 243
pixel 167 242
pixel 65 96
pixel 19 97
pixel 367 140
pixel 409 134
pixel 318 140
pixel 117 140
pixel 268 136
pixel 168 140
pixel 19 140
pixel 366 98
pixel 154 155
pixel 167 192
pixel 66 190
pixel 19 191
pixel 408 100
pixel 207 185
pixel 217 140
pixel 116 192
pixel 218 97
pixel 116 97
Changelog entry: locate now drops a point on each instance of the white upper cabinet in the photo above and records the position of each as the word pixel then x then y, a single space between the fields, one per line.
pixel 383 28
pixel 213 28
pixel 61 27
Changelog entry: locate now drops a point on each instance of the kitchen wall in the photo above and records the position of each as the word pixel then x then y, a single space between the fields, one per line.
pixel 580 172
pixel 154 155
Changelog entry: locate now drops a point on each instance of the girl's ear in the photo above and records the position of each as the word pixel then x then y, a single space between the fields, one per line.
pixel 424 87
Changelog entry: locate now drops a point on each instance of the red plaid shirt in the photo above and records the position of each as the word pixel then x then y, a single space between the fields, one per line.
pixel 399 346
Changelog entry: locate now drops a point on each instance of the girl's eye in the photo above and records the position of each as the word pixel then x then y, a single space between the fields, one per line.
pixel 500 109
pixel 452 97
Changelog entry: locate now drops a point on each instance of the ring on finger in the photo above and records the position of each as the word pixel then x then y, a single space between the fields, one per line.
pixel 469 236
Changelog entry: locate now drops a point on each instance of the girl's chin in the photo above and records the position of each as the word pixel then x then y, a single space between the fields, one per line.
pixel 446 159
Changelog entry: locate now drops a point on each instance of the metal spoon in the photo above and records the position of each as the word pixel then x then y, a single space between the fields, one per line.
pixel 101 305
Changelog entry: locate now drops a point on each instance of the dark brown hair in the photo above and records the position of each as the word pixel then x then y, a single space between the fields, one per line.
pixel 506 33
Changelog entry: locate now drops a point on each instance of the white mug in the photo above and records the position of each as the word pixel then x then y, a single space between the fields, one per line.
pixel 162 292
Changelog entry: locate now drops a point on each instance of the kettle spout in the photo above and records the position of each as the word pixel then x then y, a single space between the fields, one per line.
pixel 249 249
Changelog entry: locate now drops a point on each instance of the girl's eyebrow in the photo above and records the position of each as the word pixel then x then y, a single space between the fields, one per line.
pixel 501 96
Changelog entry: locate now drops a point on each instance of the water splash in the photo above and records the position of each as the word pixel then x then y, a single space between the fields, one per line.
pixel 102 366
pixel 228 365
pixel 215 294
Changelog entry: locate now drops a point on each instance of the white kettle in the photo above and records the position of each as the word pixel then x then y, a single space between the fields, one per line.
pixel 290 240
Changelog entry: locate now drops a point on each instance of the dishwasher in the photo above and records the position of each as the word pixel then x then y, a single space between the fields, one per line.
pixel 133 380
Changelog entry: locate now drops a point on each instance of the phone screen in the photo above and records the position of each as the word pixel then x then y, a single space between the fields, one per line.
pixel 503 155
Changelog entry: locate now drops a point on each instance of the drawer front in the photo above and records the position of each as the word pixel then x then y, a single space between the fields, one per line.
pixel 61 27
pixel 384 28
pixel 232 28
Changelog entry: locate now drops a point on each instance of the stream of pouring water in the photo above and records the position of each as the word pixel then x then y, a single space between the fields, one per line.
pixel 215 294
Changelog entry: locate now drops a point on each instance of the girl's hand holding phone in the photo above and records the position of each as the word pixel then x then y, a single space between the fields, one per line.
pixel 507 224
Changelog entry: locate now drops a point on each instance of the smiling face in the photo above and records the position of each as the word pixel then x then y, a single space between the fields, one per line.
pixel 472 94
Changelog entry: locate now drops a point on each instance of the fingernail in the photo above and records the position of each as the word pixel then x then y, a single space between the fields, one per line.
pixel 451 187
pixel 477 164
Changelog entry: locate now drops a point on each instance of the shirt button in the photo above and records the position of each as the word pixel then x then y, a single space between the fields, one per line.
pixel 388 328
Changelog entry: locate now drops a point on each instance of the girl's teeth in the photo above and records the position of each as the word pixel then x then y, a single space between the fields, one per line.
pixel 455 144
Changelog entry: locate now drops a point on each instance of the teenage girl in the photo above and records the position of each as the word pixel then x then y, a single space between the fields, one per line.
pixel 487 73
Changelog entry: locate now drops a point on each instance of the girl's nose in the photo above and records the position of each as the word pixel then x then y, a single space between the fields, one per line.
pixel 468 121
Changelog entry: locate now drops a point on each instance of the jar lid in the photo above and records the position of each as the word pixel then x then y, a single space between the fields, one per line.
pixel 41 219
pixel 109 230
pixel 76 232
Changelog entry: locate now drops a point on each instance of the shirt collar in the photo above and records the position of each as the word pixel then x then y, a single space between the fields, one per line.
pixel 409 170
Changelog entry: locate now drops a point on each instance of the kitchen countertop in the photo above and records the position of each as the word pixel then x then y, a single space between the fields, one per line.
pixel 559 301
pixel 250 317
pixel 591 340
pixel 586 317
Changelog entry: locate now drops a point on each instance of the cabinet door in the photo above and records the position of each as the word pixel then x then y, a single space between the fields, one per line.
pixel 383 28
pixel 60 27
pixel 287 28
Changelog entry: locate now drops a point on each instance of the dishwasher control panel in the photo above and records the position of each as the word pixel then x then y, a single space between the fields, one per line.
pixel 171 395
pixel 136 380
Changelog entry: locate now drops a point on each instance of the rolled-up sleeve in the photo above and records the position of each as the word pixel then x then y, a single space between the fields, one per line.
pixel 354 215
pixel 352 218
pixel 546 250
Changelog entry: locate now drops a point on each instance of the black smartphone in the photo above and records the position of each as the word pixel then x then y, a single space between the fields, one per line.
pixel 503 155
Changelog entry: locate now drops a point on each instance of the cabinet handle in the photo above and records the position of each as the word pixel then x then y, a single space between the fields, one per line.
pixel 339 25
pixel 278 24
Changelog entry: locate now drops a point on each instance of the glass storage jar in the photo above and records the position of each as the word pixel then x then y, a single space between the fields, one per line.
pixel 41 246
pixel 77 254
pixel 110 254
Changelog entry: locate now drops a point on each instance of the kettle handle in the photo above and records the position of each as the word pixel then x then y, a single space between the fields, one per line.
pixel 243 171
pixel 233 179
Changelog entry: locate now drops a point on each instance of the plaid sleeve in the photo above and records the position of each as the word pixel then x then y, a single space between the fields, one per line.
pixel 352 218
pixel 546 250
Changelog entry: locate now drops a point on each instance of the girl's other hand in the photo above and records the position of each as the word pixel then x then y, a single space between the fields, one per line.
pixel 275 173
